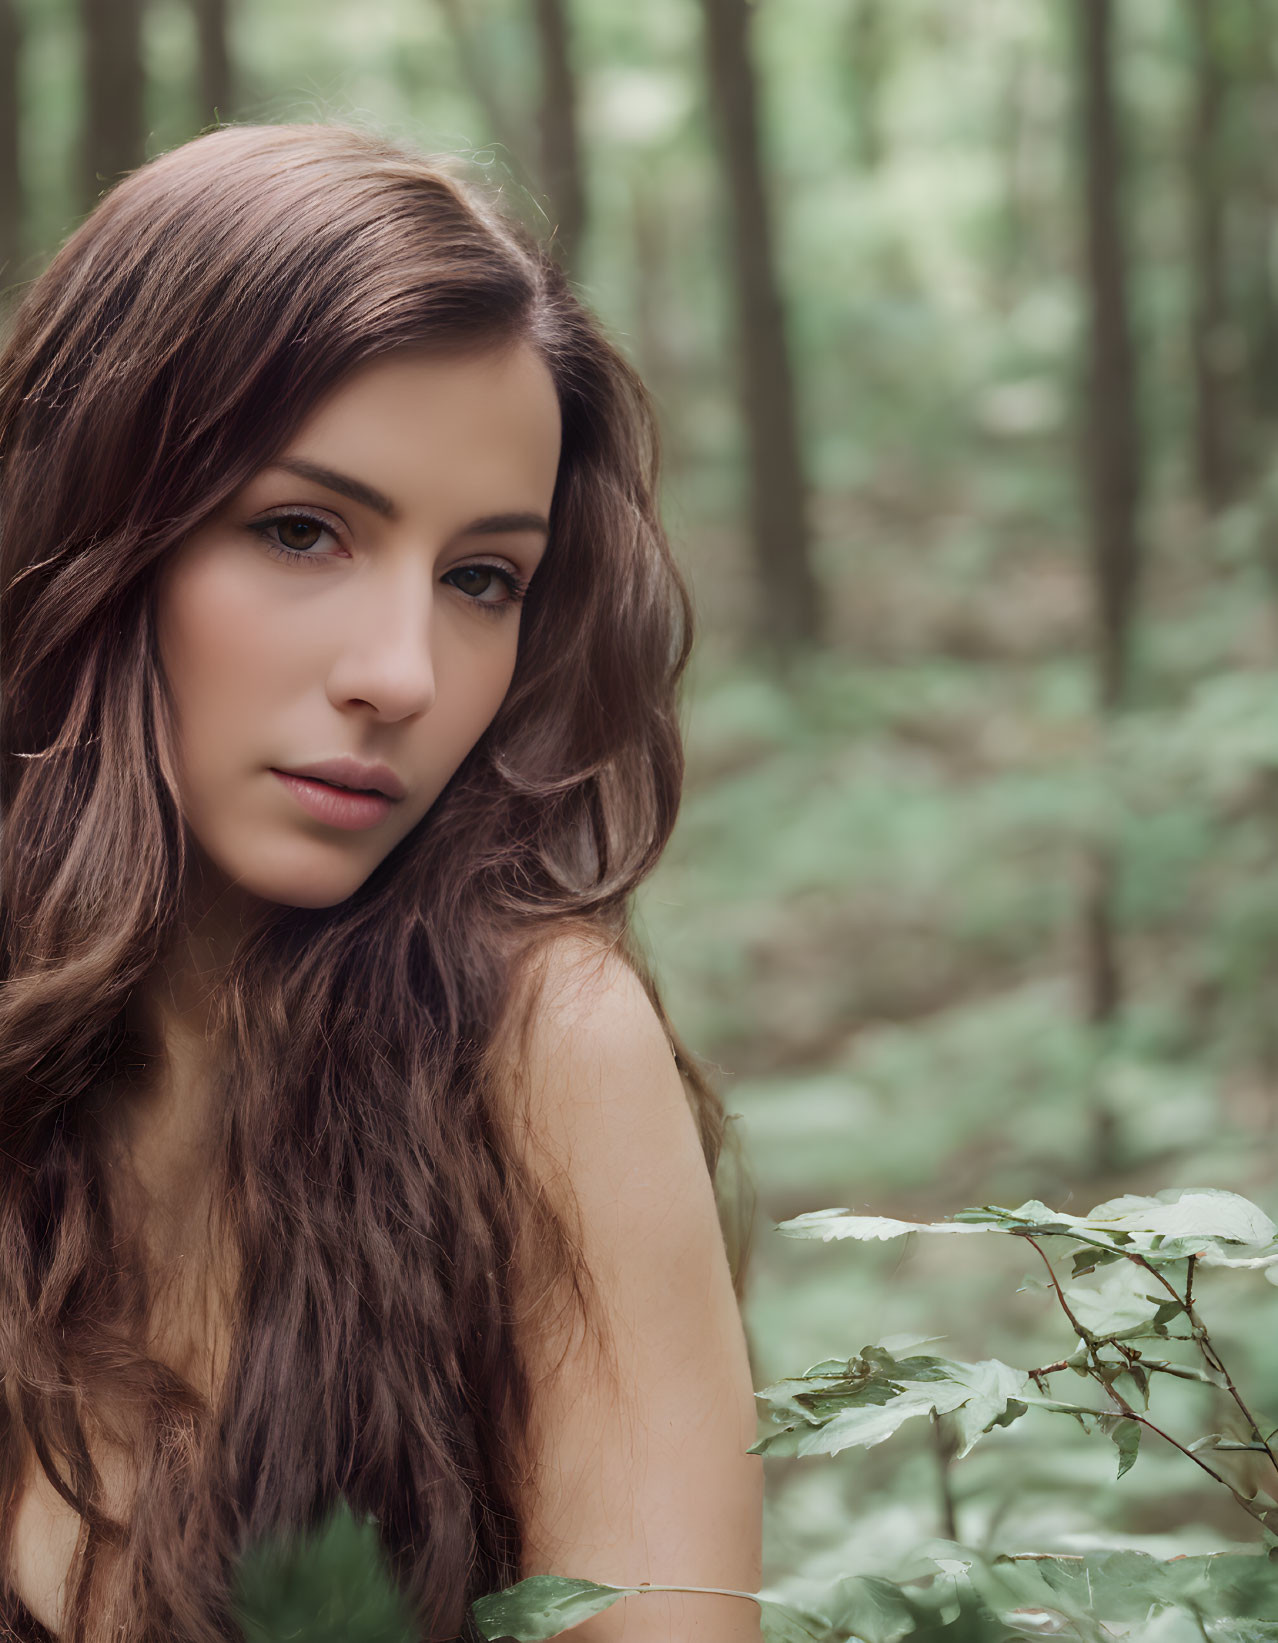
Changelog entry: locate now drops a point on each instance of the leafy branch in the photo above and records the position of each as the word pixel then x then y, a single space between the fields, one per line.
pixel 1150 1252
pixel 1142 1242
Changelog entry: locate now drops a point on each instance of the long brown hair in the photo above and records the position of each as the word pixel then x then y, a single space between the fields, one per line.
pixel 367 1185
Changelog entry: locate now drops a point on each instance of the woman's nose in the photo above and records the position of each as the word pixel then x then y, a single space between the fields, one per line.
pixel 385 660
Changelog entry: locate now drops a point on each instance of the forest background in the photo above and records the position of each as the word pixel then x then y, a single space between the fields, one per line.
pixel 962 320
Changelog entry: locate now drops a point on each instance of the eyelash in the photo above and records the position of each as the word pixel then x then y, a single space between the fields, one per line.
pixel 515 587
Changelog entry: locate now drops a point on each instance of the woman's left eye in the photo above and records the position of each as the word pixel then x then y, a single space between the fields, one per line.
pixel 491 585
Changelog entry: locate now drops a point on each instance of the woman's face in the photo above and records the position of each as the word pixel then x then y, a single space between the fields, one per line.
pixel 351 617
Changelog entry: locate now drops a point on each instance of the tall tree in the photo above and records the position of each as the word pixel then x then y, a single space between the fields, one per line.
pixel 1111 464
pixel 868 53
pixel 1111 428
pixel 505 124
pixel 10 169
pixel 216 84
pixel 1260 217
pixel 779 527
pixel 1213 453
pixel 1012 115
pixel 113 136
pixel 561 167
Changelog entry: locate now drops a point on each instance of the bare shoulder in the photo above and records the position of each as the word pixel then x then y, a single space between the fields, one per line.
pixel 582 985
pixel 641 1471
pixel 596 1067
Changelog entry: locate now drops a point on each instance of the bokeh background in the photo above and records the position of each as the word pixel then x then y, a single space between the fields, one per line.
pixel 962 319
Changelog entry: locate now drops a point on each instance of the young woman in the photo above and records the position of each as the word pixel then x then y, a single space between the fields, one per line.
pixel 345 1150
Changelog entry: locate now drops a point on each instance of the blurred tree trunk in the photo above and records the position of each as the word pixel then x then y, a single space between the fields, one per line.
pixel 505 127
pixel 113 135
pixel 1111 444
pixel 1111 464
pixel 561 167
pixel 1260 221
pixel 217 93
pixel 1014 231
pixel 656 306
pixel 779 531
pixel 10 170
pixel 868 53
pixel 1213 454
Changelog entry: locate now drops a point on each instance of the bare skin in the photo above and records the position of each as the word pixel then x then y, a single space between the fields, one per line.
pixel 313 619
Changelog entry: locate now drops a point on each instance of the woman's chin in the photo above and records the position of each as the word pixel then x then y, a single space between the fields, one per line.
pixel 291 876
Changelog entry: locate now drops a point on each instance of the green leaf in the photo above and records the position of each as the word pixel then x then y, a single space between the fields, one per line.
pixel 863 1427
pixel 1125 1437
pixel 828 1224
pixel 782 1624
pixel 1117 1307
pixel 1089 1258
pixel 331 1586
pixel 871 1608
pixel 1125 1586
pixel 1221 1228
pixel 543 1606
pixel 1188 1212
pixel 864 1401
pixel 995 1400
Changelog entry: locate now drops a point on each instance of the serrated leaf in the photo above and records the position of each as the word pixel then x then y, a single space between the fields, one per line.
pixel 863 1427
pixel 828 1224
pixel 1220 1228
pixel 1032 1214
pixel 866 1400
pixel 1188 1212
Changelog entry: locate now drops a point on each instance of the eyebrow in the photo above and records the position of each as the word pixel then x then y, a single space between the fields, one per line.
pixel 494 524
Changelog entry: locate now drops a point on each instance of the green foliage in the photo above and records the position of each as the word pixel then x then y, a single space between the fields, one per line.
pixel 1148 1250
pixel 861 1402
pixel 545 1605
pixel 332 1586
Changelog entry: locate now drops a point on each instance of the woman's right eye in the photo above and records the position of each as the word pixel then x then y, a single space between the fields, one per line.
pixel 293 535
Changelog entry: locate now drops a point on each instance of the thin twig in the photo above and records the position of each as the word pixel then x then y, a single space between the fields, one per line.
pixel 1049 1369
pixel 1121 1402
pixel 1206 1346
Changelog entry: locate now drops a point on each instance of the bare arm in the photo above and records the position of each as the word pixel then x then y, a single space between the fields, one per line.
pixel 640 1466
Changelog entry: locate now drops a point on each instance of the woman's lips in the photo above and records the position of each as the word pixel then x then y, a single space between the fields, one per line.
pixel 338 806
